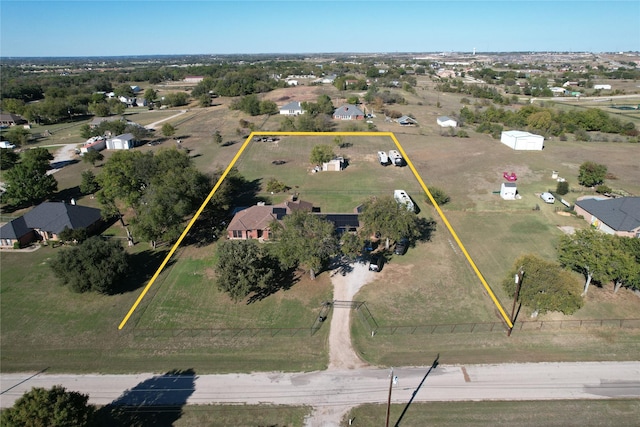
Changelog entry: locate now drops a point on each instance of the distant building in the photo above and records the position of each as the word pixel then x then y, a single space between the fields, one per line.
pixel 125 141
pixel 193 79
pixel 10 119
pixel 348 112
pixel 293 108
pixel 520 140
pixel 407 121
pixel 446 122
pixel 602 87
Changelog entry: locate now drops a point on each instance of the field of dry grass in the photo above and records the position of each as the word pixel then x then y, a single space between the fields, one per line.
pixel 432 283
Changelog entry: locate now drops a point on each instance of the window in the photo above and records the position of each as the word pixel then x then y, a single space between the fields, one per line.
pixel 237 234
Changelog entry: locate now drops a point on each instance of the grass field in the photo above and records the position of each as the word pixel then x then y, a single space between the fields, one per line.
pixel 524 413
pixel 44 325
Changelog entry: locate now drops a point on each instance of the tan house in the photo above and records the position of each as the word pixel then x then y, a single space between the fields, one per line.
pixel 620 216
pixel 255 222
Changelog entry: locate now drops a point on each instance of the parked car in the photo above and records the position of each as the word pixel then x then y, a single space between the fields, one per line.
pixel 401 246
pixel 375 262
pixel 7 144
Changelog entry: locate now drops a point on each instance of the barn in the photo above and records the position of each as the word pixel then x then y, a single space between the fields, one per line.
pixel 520 140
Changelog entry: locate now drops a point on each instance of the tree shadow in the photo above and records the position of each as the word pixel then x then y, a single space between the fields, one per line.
pixel 142 266
pixel 283 279
pixel 157 401
pixel 67 194
pixel 343 265
pixel 64 163
pixel 426 228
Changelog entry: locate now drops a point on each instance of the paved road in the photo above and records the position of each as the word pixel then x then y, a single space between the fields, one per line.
pixel 346 388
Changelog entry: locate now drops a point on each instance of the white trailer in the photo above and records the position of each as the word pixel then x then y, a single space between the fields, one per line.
pixel 383 158
pixel 396 158
pixel 403 198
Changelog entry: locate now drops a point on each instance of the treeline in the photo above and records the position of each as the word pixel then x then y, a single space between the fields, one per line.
pixel 548 121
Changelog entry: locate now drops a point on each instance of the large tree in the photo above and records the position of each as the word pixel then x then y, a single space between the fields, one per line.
pixel 8 158
pixel 391 219
pixel 625 263
pixel 591 174
pixel 587 252
pixel 321 153
pixel 243 267
pixel 54 407
pixel 545 286
pixel 28 182
pixel 162 189
pixel 94 265
pixel 305 239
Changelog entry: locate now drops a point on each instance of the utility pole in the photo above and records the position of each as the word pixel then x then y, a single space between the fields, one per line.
pixel 518 280
pixel 389 399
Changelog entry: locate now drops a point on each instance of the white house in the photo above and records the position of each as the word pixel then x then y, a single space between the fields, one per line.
pixel 293 108
pixel 193 79
pixel 446 122
pixel 508 190
pixel 520 140
pixel 602 87
pixel 125 141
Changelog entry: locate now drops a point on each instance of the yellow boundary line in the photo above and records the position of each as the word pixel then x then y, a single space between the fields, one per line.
pixel 232 164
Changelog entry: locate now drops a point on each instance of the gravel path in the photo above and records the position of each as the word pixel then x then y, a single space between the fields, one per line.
pixel 342 356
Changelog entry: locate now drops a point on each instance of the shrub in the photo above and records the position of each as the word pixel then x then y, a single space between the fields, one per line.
pixel 603 189
pixel 439 196
pixel 275 186
pixel 562 188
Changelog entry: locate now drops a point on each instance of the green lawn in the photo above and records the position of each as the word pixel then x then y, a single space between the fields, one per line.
pixel 524 413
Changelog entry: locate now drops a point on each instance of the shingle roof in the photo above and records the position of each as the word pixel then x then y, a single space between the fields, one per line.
pixel 293 105
pixel 14 229
pixel 259 217
pixel 348 110
pixel 255 218
pixel 406 119
pixel 55 216
pixel 621 214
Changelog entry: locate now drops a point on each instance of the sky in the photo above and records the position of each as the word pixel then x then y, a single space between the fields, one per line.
pixel 155 27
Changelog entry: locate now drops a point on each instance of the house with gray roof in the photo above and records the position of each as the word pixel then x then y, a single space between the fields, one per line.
pixel 348 112
pixel 620 216
pixel 293 108
pixel 407 121
pixel 47 220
